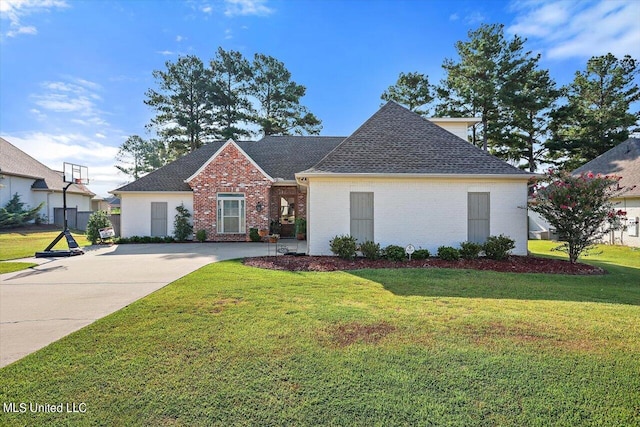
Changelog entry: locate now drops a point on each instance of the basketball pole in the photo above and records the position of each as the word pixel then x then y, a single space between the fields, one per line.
pixel 74 248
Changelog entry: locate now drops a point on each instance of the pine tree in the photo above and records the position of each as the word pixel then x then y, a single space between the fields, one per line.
pixel 280 111
pixel 183 105
pixel 411 90
pixel 596 116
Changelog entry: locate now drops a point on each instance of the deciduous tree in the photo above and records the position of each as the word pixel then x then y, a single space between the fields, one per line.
pixel 137 157
pixel 578 207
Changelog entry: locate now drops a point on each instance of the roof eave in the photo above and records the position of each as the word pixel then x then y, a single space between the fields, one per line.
pixel 118 191
pixel 522 176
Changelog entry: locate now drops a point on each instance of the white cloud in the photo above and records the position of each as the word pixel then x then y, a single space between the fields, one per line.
pixel 165 52
pixel 579 29
pixel 180 38
pixel 246 7
pixel 454 17
pixel 76 96
pixel 16 10
pixel 52 149
pixel 228 34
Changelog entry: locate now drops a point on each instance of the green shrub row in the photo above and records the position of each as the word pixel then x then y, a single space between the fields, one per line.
pixel 496 247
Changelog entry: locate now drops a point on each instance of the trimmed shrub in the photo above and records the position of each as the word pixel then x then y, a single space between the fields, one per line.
pixel 498 247
pixel 394 253
pixel 448 253
pixel 253 235
pixel 97 220
pixel 371 250
pixel 470 250
pixel 201 235
pixel 421 254
pixel 344 246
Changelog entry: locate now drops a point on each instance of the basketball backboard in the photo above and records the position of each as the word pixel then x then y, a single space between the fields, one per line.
pixel 75 174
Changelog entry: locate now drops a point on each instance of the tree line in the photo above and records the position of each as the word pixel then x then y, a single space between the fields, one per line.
pixel 230 97
pixel 525 117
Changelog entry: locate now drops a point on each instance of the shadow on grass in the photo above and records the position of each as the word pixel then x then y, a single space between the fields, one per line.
pixel 620 286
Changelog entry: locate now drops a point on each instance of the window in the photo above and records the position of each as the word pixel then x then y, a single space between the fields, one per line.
pixel 361 213
pixel 158 219
pixel 478 217
pixel 231 213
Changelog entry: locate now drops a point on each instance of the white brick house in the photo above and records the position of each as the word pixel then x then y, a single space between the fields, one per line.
pixel 398 179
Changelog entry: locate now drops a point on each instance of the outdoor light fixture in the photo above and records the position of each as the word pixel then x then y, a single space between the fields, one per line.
pixel 259 207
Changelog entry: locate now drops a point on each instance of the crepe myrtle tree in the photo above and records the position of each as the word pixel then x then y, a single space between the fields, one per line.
pixel 579 207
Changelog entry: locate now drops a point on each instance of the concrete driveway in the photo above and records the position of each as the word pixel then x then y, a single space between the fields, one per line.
pixel 43 304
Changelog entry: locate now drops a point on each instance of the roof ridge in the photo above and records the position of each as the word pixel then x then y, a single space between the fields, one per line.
pixel 396 140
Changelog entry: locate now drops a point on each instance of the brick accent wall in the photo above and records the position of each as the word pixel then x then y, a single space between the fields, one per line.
pixel 230 172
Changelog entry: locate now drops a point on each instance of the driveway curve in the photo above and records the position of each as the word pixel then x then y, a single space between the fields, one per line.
pixel 61 295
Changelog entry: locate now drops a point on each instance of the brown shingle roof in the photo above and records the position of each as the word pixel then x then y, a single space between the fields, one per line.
pixel 279 156
pixel 16 162
pixel 394 140
pixel 398 141
pixel 622 160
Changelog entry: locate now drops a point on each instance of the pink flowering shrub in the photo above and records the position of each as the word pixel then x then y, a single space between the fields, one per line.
pixel 578 207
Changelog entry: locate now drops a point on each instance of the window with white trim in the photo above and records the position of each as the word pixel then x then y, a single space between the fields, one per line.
pixel 231 213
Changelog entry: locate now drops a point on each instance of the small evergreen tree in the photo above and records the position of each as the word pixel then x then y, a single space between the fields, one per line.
pixel 181 225
pixel 14 214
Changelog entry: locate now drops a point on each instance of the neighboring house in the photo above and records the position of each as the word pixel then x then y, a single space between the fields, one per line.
pixel 622 160
pixel 114 204
pixel 398 179
pixel 100 204
pixel 36 183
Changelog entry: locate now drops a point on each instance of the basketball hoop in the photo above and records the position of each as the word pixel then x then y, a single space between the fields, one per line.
pixel 75 174
pixel 71 174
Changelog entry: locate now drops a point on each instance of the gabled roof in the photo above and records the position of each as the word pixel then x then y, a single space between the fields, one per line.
pixel 231 143
pixel 622 160
pixel 279 156
pixel 16 162
pixel 396 140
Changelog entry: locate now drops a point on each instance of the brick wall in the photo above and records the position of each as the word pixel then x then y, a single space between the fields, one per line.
pixel 230 172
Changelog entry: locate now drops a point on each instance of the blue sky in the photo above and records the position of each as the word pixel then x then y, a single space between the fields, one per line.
pixel 73 73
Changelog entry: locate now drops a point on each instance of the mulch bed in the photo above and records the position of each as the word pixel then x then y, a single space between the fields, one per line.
pixel 515 264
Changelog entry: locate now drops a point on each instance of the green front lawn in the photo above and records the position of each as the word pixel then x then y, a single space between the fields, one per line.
pixel 24 243
pixel 10 267
pixel 601 255
pixel 234 345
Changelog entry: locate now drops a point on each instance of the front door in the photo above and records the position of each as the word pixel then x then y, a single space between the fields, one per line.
pixel 284 209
